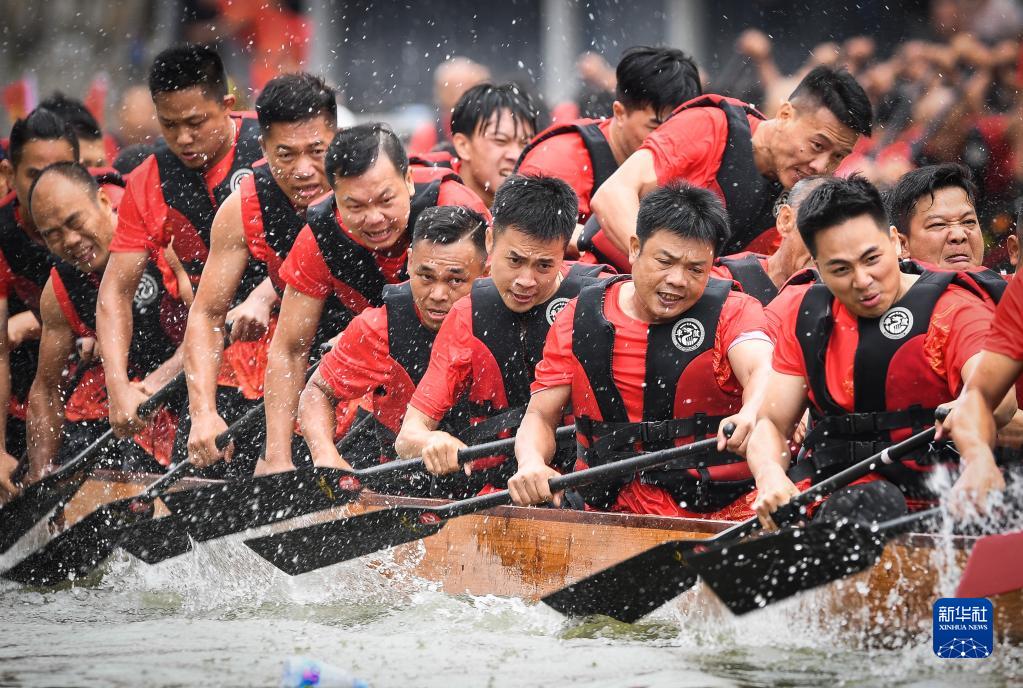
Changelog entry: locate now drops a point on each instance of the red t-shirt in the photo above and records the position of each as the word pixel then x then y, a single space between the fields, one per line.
pixel 1006 335
pixel 146 223
pixel 361 362
pixel 565 156
pixel 305 269
pixel 689 146
pixel 958 328
pixel 6 277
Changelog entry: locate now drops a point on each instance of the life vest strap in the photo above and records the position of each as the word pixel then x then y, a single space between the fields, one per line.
pixel 603 437
pixel 853 425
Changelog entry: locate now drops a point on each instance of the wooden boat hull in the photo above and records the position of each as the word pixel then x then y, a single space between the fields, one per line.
pixel 528 553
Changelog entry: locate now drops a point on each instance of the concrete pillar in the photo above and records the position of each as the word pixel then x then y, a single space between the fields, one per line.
pixel 560 46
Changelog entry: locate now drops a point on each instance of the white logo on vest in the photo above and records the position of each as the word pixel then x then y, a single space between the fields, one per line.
pixel 555 307
pixel 687 335
pixel 147 291
pixel 896 323
pixel 238 176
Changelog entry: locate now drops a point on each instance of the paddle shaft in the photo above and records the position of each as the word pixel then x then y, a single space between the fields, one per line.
pixel 608 471
pixel 476 451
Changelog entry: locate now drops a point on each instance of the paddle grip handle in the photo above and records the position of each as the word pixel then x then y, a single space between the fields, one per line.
pixel 161 396
pixel 177 472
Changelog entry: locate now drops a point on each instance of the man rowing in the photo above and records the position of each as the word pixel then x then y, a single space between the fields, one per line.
pixel 492 339
pixel 665 357
pixel 172 197
pixel 354 243
pixel 873 351
pixel 76 217
pixel 259 221
pixel 650 84
pixel 727 146
pixel 384 351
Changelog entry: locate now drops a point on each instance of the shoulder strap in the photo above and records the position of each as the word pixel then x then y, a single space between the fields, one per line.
pixel 503 332
pixel 184 190
pixel 408 339
pixel 602 159
pixel 880 338
pixel 426 196
pixel 247 153
pixel 749 272
pixel 593 342
pixel 281 222
pixel 671 347
pixel 348 261
pixel 81 293
pixel 813 325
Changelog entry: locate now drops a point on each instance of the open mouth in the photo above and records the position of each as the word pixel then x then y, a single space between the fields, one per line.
pixel 522 298
pixel 380 236
pixel 668 300
pixel 871 300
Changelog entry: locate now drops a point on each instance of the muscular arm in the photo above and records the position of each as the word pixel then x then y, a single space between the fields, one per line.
pixel 767 452
pixel 984 404
pixel 616 202
pixel 114 325
pixel 751 363
pixel 535 445
pixel 204 334
pixel 45 398
pixel 318 419
pixel 416 429
pixel 285 373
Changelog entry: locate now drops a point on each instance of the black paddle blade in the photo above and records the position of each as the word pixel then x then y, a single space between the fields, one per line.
pixel 630 590
pixel 80 549
pixel 775 566
pixel 314 547
pixel 37 500
pixel 213 511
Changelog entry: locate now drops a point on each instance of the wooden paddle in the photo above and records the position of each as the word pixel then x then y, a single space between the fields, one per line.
pixel 995 566
pixel 79 549
pixel 637 586
pixel 37 500
pixel 313 547
pixel 775 566
pixel 212 511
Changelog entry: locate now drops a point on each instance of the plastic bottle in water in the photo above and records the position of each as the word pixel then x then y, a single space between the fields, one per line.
pixel 306 671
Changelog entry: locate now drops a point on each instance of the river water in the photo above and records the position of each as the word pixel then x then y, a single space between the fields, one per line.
pixel 220 616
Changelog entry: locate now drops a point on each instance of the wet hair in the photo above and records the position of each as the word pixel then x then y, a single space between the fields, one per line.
pixel 73 172
pixel 355 149
pixel 901 200
pixel 131 157
pixel 687 211
pixel 40 125
pixel 295 98
pixel 449 224
pixel 840 93
pixel 188 66
pixel 659 78
pixel 477 106
pixel 801 189
pixel 543 208
pixel 74 113
pixel 836 201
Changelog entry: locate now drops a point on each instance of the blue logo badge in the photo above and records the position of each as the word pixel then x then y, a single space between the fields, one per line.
pixel 964 628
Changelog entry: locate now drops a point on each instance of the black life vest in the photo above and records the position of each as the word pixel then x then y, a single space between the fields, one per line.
pixel 185 190
pixel 751 276
pixel 679 378
pixel 895 388
pixel 150 345
pixel 602 160
pixel 281 222
pixel 984 279
pixel 749 196
pixel 30 262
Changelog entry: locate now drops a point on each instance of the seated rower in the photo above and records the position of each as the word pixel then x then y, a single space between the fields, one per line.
pixel 490 343
pixel 972 423
pixel 354 243
pixel 76 218
pixel 385 351
pixel 872 350
pixel 663 358
pixel 763 276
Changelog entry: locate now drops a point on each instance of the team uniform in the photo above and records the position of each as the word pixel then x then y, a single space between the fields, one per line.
pixel 707 142
pixel 875 381
pixel 165 204
pixel 487 353
pixel 749 270
pixel 638 386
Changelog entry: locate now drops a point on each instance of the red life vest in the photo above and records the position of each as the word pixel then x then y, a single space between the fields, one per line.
pixel 682 401
pixel 749 272
pixel 750 197
pixel 602 159
pixel 184 191
pixel 896 391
